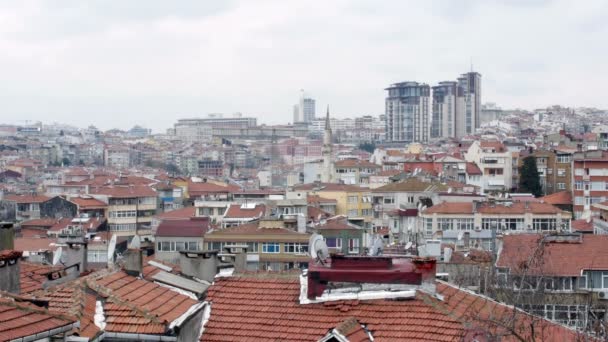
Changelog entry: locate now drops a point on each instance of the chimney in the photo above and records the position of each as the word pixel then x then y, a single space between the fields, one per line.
pixel 7 236
pixel 236 255
pixel 134 260
pixel 76 253
pixel 202 265
pixel 9 271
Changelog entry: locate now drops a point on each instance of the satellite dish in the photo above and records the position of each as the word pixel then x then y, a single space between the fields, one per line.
pixel 408 245
pixel 318 247
pixel 135 242
pixel 460 235
pixel 57 256
pixel 111 249
pixel 423 208
pixel 419 206
pixel 449 190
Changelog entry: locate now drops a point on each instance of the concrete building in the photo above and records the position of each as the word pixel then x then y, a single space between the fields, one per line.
pixel 468 120
pixel 589 181
pixel 408 112
pixel 304 111
pixel 446 105
pixel 495 163
pixel 173 236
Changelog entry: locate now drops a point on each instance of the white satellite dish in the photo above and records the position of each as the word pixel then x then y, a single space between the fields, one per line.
pixel 57 256
pixel 135 242
pixel 408 245
pixel 318 247
pixel 449 190
pixel 111 249
pixel 423 208
pixel 460 235
pixel 419 206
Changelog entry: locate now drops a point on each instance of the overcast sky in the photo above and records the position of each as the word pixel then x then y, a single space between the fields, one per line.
pixel 120 63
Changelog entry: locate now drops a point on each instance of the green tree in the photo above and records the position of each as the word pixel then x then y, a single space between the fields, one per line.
pixel 368 146
pixel 65 161
pixel 529 178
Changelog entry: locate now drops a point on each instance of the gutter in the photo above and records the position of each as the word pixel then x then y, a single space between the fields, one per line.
pixel 48 333
pixel 139 337
pixel 191 311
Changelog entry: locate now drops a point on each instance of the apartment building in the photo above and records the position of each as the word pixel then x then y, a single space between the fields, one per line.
pixel 476 224
pixel 495 163
pixel 130 207
pixel 590 181
pixel 355 171
pixel 554 168
pixel 352 201
pixel 408 111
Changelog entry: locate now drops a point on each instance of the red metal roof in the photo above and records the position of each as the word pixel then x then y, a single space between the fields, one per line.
pixel 236 211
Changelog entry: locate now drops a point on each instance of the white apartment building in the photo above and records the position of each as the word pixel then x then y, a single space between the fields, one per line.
pixel 495 163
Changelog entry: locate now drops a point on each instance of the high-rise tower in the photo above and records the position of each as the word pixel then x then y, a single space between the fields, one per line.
pixel 327 174
pixel 469 93
pixel 407 112
pixel 445 109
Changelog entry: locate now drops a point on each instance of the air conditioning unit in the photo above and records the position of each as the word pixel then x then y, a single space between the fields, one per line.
pixel 603 295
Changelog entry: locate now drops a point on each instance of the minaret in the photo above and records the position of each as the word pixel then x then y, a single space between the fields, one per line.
pixel 327 174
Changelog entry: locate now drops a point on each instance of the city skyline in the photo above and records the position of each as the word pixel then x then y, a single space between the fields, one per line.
pixel 94 64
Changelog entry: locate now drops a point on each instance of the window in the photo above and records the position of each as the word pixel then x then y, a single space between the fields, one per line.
pixel 503 223
pixel 353 212
pixel 366 212
pixel 445 224
pixel 296 248
pixel 252 247
pixel 598 186
pixel 410 199
pixel 333 242
pixel 561 172
pixel 561 186
pixel 165 246
pixel 545 224
pixel 549 171
pixel 563 158
pixel 428 227
pixel 353 246
pixel 579 172
pixel 464 224
pixel 389 200
pixel 579 200
pixel 97 256
pixel 353 199
pixel 271 247
pixel 123 213
pixel 122 227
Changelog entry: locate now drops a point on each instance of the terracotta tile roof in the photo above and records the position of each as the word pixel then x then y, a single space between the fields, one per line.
pixel 330 187
pixel 337 224
pixel 581 225
pixel 318 200
pixel 178 214
pixel 558 258
pixel 238 211
pixel 267 308
pixel 497 208
pixel 139 306
pixel 487 316
pixel 196 189
pixel 27 198
pixel 35 244
pixel 194 227
pixel 387 173
pixel 473 169
pixel 42 222
pixel 317 214
pixel 19 320
pixel 32 276
pixel 352 330
pixel 558 198
pixel 124 191
pixel 252 232
pixel 496 145
pixel 358 163
pixel 88 203
pixel 412 185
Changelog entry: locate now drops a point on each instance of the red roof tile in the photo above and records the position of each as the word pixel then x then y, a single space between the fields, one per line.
pixel 267 308
pixel 473 169
pixel 558 258
pixel 356 163
pixel 19 320
pixel 125 191
pixel 581 225
pixel 178 214
pixel 496 208
pixel 238 211
pixel 559 198
pixel 88 203
pixel 32 276
pixel 27 198
pixel 194 227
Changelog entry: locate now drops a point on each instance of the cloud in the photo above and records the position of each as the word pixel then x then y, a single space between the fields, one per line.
pixel 150 63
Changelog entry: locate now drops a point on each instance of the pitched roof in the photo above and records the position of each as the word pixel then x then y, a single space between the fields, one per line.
pixel 359 163
pixel 253 232
pixel 558 198
pixel 557 258
pixel 138 306
pixel 125 191
pixel 412 185
pixel 88 203
pixel 473 169
pixel 194 227
pixel 581 225
pixel 337 224
pixel 492 208
pixel 267 308
pixel 238 211
pixel 27 198
pixel 178 214
pixel 329 187
pixel 33 276
pixel 21 320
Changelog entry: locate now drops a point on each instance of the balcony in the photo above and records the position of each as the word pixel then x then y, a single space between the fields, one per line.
pixel 600 227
